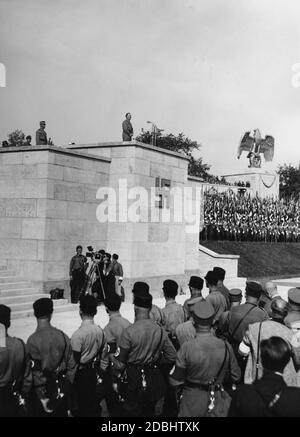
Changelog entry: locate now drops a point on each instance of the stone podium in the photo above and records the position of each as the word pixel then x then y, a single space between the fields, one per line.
pixel 54 198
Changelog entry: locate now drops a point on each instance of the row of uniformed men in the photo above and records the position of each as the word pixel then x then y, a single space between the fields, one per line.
pixel 144 351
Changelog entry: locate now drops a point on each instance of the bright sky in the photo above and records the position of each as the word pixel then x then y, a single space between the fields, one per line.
pixel 211 69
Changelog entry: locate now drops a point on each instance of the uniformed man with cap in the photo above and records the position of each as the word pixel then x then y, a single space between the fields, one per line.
pixel 156 313
pixel 215 297
pixel 40 135
pixel 141 346
pixel 186 330
pixel 256 332
pixel 241 316
pixel 294 308
pixel 15 368
pixel 53 364
pixel 113 331
pixel 201 366
pixel 235 298
pixel 173 311
pixel 90 353
pixel 195 285
pixel 220 285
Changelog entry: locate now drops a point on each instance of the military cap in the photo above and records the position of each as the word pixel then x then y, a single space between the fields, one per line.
pixel 219 272
pixel 43 307
pixel 279 307
pixel 88 304
pixel 5 315
pixel 140 287
pixel 169 284
pixel 253 289
pixel 294 295
pixel 211 278
pixel 203 310
pixel 235 294
pixel 143 300
pixel 196 282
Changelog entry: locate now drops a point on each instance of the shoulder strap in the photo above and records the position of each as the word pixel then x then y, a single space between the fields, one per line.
pixel 257 352
pixel 65 348
pixel 158 344
pixel 241 320
pixel 102 343
pixel 19 381
pixel 224 360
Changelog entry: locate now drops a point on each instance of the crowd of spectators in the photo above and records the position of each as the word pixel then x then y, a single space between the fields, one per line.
pixel 236 217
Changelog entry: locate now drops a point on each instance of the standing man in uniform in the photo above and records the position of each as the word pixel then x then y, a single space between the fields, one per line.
pixel 53 364
pixel 220 285
pixel 173 312
pixel 186 331
pixel 113 331
pixel 15 368
pixel 141 345
pixel 241 316
pixel 127 128
pixel 235 298
pixel 195 286
pixel 156 314
pixel 88 344
pixel 40 135
pixel 78 266
pixel 201 361
pixel 118 272
pixel 215 297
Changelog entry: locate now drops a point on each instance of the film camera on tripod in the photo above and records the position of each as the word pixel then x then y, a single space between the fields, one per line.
pixel 93 276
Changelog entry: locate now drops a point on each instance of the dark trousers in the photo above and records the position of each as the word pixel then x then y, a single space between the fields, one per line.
pixel 36 410
pixel 143 403
pixel 114 406
pixel 8 406
pixel 85 387
pixel 77 282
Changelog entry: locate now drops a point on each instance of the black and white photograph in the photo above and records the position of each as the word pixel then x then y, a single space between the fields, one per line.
pixel 149 213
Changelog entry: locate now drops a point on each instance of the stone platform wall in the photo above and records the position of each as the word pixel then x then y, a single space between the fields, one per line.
pixel 47 207
pixel 49 201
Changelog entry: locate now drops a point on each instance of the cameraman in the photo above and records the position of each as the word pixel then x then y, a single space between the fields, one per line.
pixel 78 266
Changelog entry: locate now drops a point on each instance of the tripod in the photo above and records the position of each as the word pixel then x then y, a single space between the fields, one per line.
pixel 90 279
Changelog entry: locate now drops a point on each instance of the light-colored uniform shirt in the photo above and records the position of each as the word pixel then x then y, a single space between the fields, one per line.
pixel 174 316
pixel 185 331
pixel 115 327
pixel 88 340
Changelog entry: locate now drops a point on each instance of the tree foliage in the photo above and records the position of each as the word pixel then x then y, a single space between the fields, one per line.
pixel 16 138
pixel 181 144
pixel 289 180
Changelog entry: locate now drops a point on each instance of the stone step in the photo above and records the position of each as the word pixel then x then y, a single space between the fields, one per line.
pixel 24 306
pixel 19 314
pixel 14 285
pixel 8 278
pixel 6 272
pixel 9 300
pixel 19 291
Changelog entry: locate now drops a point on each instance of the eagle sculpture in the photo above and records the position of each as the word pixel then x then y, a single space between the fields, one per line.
pixel 255 146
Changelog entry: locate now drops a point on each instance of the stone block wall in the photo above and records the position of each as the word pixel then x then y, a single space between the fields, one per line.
pixel 146 248
pixel 47 207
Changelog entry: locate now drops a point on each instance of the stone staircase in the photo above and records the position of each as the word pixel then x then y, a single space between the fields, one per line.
pixel 19 295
